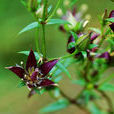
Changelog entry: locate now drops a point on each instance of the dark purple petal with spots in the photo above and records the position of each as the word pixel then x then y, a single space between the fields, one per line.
pixel 46 67
pixel 31 61
pixel 47 82
pixel 112 26
pixel 34 75
pixel 111 15
pixel 94 36
pixel 17 70
pixel 105 55
pixel 30 86
pixel 71 39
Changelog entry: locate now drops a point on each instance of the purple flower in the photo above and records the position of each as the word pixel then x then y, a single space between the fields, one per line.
pixel 94 36
pixel 35 75
pixel 104 55
pixel 71 39
pixel 111 15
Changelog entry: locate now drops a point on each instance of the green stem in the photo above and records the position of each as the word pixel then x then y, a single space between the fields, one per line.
pixel 37 39
pixel 43 29
pixel 43 42
pixel 54 11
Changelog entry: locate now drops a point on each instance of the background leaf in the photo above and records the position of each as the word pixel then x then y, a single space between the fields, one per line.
pixel 29 27
pixel 110 20
pixel 58 105
pixel 27 53
pixel 57 21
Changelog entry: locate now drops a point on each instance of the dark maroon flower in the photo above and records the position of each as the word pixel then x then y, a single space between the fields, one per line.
pixel 35 76
pixel 71 39
pixel 112 26
pixel 111 15
pixel 104 55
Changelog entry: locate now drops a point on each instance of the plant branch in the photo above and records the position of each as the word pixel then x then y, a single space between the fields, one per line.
pixel 74 102
pixel 108 100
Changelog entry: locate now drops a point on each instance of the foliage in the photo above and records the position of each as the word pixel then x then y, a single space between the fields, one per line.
pixel 86 48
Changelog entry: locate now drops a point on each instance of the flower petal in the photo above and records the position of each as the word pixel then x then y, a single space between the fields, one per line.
pixel 17 70
pixel 105 55
pixel 34 75
pixel 46 67
pixel 94 36
pixel 111 15
pixel 47 82
pixel 31 61
pixel 112 26
pixel 71 39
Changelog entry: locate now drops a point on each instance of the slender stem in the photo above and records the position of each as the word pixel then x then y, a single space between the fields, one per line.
pixel 74 101
pixel 43 42
pixel 54 11
pixel 37 39
pixel 43 29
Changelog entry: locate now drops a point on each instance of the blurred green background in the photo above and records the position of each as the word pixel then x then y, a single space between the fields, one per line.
pixel 13 17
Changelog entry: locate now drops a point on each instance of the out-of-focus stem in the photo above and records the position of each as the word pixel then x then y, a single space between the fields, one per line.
pixel 74 102
pixel 108 100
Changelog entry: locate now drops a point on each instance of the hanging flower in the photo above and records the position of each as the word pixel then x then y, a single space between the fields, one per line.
pixel 111 15
pixel 35 75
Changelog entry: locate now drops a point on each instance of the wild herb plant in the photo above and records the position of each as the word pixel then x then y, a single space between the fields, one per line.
pixel 90 49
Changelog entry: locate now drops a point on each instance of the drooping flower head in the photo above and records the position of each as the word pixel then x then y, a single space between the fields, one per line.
pixel 35 75
pixel 76 21
pixel 111 15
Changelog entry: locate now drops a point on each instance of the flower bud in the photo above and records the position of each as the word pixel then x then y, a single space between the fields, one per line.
pixel 39 12
pixel 32 5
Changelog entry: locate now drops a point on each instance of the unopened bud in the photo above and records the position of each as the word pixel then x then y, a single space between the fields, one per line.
pixel 39 12
pixel 88 17
pixel 84 8
pixel 59 12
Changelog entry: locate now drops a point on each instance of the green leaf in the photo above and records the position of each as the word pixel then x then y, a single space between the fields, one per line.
pixel 94 109
pixel 21 84
pixel 39 91
pixel 23 2
pixel 73 2
pixel 57 21
pixel 63 69
pixel 107 87
pixel 58 105
pixel 66 62
pixel 29 27
pixel 84 53
pixel 71 45
pixel 95 30
pixel 27 53
pixel 91 46
pixel 74 35
pixel 57 79
pixel 110 20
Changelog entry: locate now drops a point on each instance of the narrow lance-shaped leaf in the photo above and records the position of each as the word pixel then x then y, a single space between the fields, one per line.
pixel 95 30
pixel 110 20
pixel 107 87
pixel 73 2
pixel 74 35
pixel 57 21
pixel 61 66
pixel 58 105
pixel 29 27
